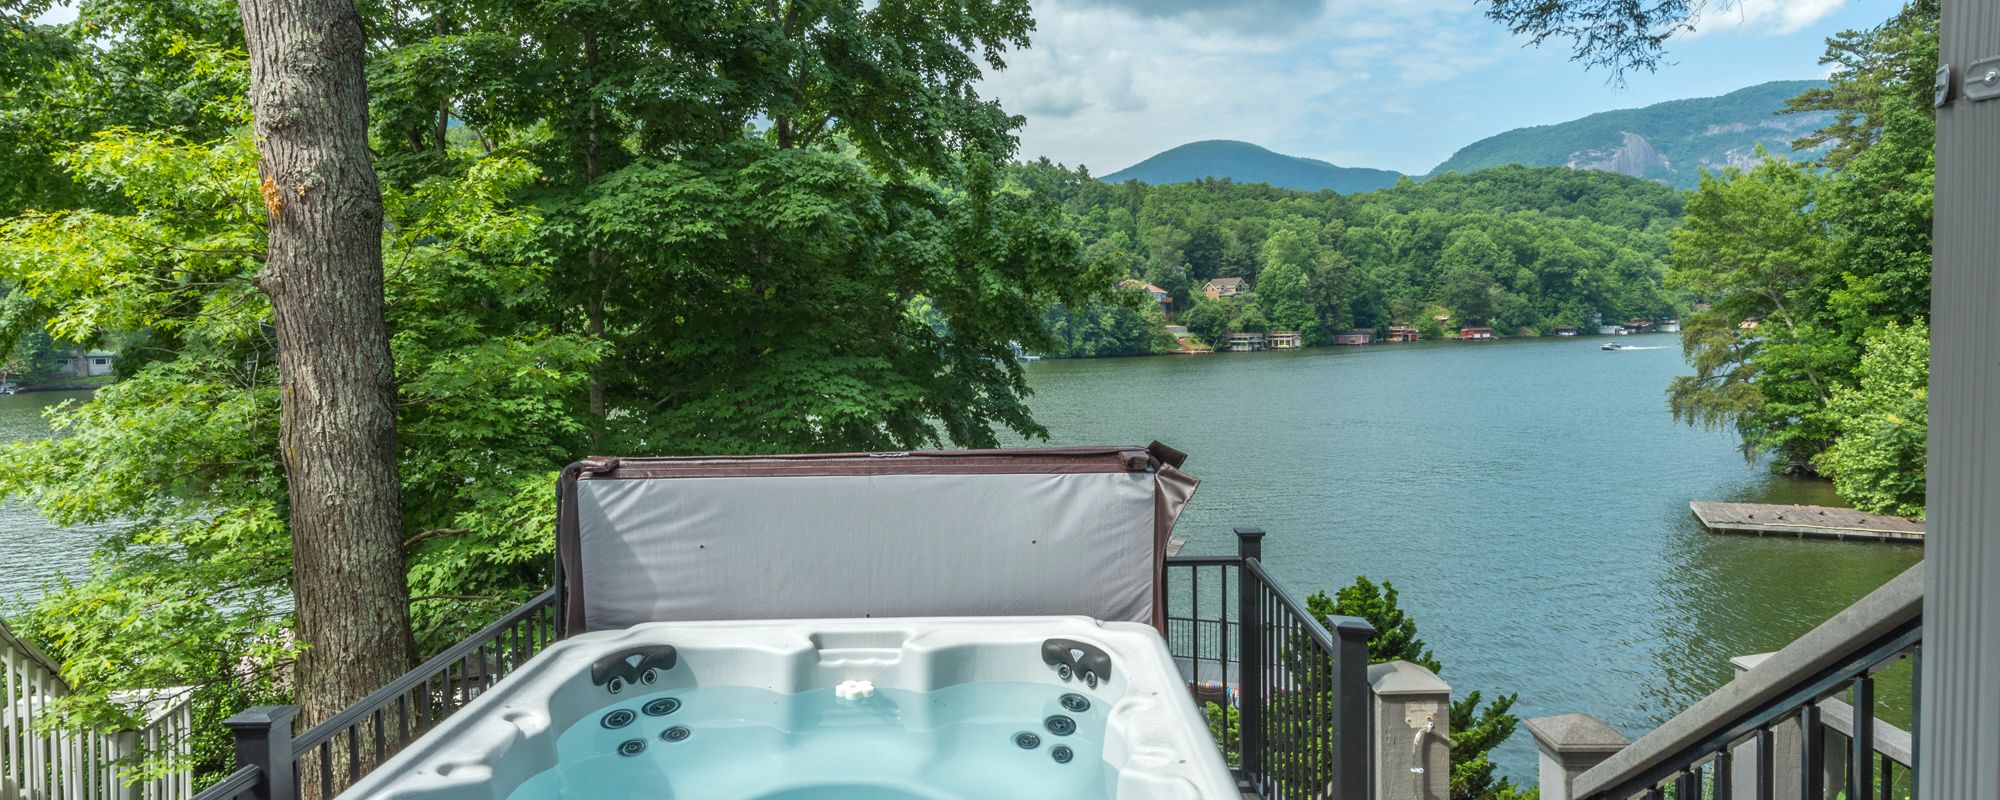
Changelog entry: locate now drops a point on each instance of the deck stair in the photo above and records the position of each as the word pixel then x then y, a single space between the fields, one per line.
pixel 38 762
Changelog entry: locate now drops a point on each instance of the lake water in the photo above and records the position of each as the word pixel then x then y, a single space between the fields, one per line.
pixel 33 552
pixel 1528 498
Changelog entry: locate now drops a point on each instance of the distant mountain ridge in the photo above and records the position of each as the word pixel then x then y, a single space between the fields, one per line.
pixel 1670 142
pixel 1244 162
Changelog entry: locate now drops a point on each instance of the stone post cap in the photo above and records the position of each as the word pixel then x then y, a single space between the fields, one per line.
pixel 1404 678
pixel 1746 663
pixel 1575 737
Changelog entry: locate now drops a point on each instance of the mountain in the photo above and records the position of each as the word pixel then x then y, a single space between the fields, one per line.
pixel 1244 162
pixel 1669 142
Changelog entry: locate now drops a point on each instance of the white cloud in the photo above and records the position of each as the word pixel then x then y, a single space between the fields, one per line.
pixel 1763 17
pixel 1105 87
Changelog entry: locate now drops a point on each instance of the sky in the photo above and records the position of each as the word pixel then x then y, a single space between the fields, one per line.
pixel 1391 84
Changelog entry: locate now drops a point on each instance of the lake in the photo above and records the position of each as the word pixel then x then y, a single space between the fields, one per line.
pixel 1528 498
pixel 33 552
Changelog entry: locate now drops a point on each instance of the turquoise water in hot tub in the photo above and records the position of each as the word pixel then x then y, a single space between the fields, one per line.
pixel 963 742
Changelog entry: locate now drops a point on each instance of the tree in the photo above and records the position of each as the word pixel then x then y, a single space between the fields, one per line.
pixel 1803 265
pixel 1752 244
pixel 1877 462
pixel 323 273
pixel 1476 727
pixel 1616 34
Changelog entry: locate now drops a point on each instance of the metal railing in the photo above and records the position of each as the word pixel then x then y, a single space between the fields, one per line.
pixel 1299 690
pixel 322 762
pixel 41 759
pixel 1778 729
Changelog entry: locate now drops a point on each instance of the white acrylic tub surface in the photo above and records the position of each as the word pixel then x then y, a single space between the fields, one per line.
pixel 548 728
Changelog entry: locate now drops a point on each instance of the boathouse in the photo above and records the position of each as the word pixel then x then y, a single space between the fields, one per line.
pixel 1246 342
pixel 1403 333
pixel 1284 340
pixel 1357 336
pixel 1478 333
pixel 1565 330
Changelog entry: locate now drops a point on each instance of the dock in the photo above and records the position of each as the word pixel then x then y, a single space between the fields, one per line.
pixel 1819 522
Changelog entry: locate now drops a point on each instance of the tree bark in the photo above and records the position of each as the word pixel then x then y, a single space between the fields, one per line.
pixel 324 278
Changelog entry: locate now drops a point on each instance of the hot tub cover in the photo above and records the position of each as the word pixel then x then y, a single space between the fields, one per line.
pixel 1049 531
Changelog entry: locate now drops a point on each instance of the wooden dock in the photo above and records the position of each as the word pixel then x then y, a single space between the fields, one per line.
pixel 1802 521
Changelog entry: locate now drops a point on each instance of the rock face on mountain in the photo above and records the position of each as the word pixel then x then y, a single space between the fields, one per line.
pixel 1670 142
pixel 1244 162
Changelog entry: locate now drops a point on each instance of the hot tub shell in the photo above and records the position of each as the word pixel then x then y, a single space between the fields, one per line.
pixel 1154 737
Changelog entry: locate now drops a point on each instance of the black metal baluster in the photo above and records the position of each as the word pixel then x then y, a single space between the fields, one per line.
pixel 353 756
pixel 1766 766
pixel 1687 785
pixel 326 768
pixel 1861 755
pixel 1724 776
pixel 1812 754
pixel 1888 776
pixel 1916 714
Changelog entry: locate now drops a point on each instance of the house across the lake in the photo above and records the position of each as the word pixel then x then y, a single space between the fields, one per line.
pixel 1565 330
pixel 1355 337
pixel 1284 340
pixel 1225 287
pixel 1158 294
pixel 1475 333
pixel 1246 342
pixel 1670 326
pixel 1403 333
pixel 89 364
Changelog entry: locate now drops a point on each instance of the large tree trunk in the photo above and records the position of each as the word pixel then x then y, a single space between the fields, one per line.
pixel 324 278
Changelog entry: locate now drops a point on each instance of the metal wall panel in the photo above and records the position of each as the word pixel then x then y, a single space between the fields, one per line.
pixel 1959 743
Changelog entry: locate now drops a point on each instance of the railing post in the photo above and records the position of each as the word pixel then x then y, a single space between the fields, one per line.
pixel 1570 744
pixel 1349 739
pixel 1412 732
pixel 264 740
pixel 1250 694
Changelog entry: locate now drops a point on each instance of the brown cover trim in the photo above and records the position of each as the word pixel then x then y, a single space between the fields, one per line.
pixel 571 602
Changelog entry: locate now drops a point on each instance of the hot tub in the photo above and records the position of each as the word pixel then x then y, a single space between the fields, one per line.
pixel 1050 708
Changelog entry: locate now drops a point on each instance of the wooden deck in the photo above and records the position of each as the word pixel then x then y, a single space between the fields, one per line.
pixel 1802 521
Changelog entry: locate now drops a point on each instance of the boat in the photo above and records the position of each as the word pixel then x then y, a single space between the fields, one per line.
pixel 1613 346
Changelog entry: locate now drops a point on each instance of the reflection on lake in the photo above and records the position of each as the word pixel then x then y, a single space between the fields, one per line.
pixel 1528 498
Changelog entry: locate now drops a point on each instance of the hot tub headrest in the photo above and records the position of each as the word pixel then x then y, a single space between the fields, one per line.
pixel 1074 530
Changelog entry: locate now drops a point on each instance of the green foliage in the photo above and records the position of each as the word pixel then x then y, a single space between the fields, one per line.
pixel 1878 460
pixel 1395 636
pixel 1825 261
pixel 1519 248
pixel 611 226
pixel 1476 727
pixel 1130 325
